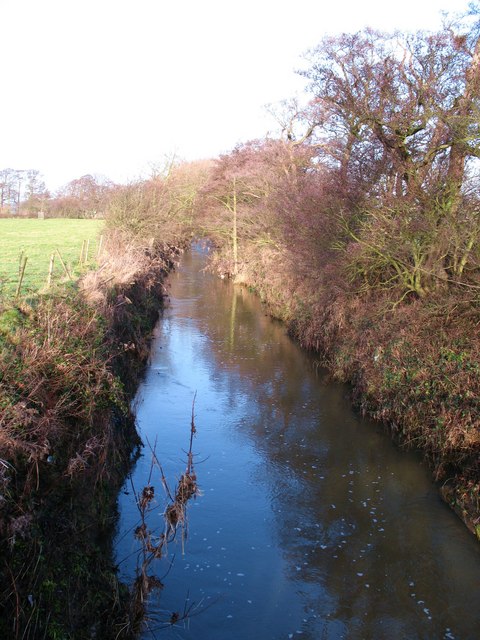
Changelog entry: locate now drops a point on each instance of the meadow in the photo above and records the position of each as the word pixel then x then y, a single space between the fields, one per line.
pixel 37 241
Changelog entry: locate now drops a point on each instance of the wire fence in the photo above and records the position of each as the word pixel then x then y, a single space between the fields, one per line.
pixel 33 274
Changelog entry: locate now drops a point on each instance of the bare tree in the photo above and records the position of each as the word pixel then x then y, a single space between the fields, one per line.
pixel 410 105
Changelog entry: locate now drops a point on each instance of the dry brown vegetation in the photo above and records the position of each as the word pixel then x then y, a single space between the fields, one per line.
pixel 153 546
pixel 69 361
pixel 412 358
pixel 59 361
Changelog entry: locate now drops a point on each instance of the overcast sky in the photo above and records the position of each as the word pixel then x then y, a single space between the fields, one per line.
pixel 111 86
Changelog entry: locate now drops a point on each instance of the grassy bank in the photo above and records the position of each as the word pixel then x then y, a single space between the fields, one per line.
pixel 37 241
pixel 68 362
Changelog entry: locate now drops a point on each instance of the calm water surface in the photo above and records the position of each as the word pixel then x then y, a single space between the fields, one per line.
pixel 312 525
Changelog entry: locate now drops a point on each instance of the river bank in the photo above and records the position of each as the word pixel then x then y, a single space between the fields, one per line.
pixel 412 366
pixel 70 363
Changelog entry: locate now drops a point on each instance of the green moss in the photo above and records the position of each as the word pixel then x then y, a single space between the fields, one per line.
pixel 10 320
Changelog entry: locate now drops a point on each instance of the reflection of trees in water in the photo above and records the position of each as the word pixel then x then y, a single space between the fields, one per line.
pixel 338 488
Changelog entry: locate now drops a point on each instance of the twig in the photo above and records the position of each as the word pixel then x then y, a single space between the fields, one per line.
pixel 193 431
pixel 153 548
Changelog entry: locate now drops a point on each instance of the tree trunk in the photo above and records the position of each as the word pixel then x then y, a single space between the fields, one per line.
pixel 234 230
pixel 461 116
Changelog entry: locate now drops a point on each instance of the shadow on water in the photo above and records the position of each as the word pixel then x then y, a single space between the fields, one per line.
pixel 311 524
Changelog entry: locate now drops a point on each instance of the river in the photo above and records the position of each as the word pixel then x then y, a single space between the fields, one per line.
pixel 312 524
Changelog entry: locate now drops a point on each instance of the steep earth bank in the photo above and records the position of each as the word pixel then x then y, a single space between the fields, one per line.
pixel 70 362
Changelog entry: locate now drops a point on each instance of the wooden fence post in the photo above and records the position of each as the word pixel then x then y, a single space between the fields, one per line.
pixel 23 264
pixel 20 261
pixel 67 272
pixel 100 245
pixel 50 270
pixel 82 252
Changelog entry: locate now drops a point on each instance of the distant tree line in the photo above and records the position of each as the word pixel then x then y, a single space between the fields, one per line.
pixel 23 193
pixel 21 190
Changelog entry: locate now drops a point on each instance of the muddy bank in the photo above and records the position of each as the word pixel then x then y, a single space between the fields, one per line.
pixel 70 362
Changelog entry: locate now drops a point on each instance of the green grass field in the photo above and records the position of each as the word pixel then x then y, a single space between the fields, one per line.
pixel 37 240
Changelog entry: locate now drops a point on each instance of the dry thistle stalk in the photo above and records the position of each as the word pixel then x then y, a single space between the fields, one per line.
pixel 154 547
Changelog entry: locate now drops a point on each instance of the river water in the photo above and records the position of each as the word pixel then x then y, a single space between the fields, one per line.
pixel 311 523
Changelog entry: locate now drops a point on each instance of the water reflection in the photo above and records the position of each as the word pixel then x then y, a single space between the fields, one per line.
pixel 312 524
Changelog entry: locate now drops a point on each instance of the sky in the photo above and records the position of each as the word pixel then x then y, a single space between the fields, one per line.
pixel 114 87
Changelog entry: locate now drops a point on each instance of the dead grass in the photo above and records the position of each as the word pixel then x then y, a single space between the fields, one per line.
pixel 66 361
pixel 60 361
